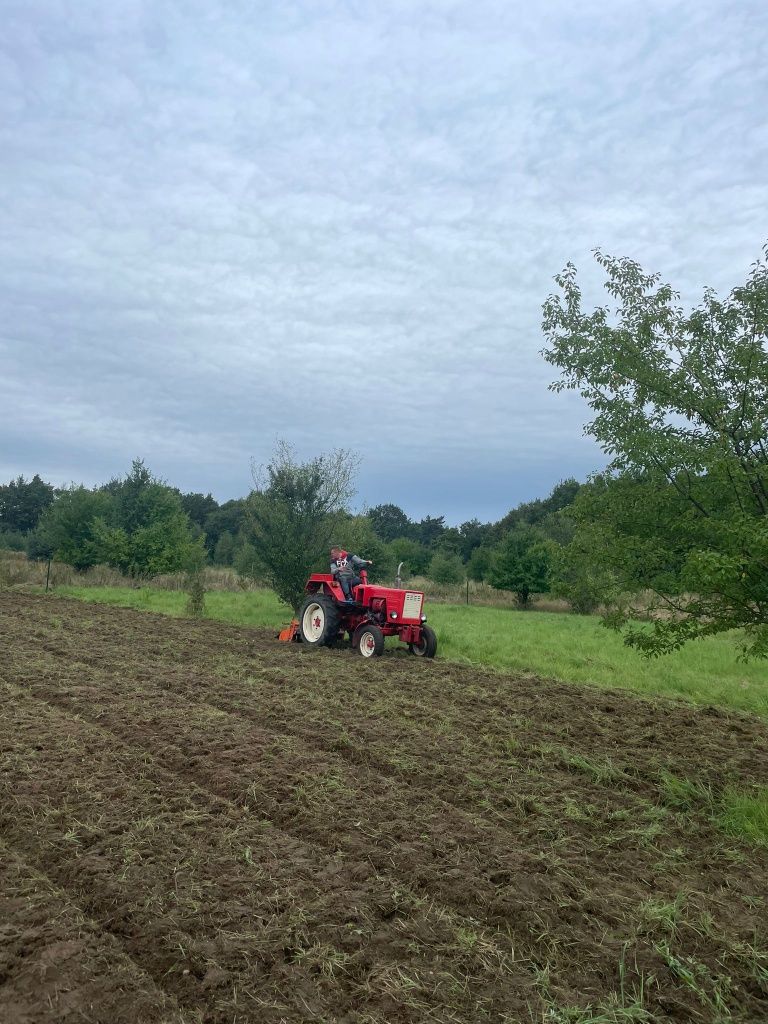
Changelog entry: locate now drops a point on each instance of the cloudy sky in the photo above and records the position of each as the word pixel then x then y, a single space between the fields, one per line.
pixel 335 221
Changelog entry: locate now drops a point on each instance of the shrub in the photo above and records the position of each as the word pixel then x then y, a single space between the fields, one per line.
pixel 446 568
pixel 194 583
pixel 521 563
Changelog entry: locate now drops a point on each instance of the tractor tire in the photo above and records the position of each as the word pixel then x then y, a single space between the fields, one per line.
pixel 428 646
pixel 319 621
pixel 368 640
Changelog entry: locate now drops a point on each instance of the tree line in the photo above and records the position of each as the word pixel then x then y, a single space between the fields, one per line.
pixel 279 532
pixel 680 407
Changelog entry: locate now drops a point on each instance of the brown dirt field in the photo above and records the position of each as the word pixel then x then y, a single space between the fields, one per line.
pixel 203 826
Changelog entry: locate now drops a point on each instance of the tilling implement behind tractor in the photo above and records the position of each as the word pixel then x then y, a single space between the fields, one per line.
pixel 375 613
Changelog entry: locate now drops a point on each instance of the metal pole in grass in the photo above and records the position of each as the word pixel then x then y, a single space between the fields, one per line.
pixel 467 590
pixel 47 575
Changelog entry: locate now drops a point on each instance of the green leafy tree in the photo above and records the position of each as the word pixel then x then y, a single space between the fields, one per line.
pixel 521 563
pixel 22 502
pixel 146 531
pixel 473 534
pixel 247 564
pixel 559 527
pixel 414 556
pixel 228 518
pixel 450 541
pixel 533 513
pixel 429 530
pixel 135 524
pixel 446 568
pixel 199 507
pixel 389 521
pixel 680 403
pixel 67 528
pixel 295 512
pixel 479 563
pixel 225 549
pixel 580 573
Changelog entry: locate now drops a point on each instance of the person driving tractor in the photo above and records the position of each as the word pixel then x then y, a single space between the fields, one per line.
pixel 344 568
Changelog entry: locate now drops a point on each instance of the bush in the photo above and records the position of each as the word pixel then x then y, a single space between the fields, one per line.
pixel 414 556
pixel 521 563
pixel 446 568
pixel 224 552
pixel 194 583
pixel 479 564
pixel 12 540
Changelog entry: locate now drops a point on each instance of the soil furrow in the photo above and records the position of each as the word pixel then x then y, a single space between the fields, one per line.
pixel 301 920
pixel 55 962
pixel 639 732
pixel 315 837
pixel 452 856
pixel 245 755
pixel 217 778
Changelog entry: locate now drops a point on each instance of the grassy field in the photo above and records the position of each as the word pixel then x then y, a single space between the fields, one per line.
pixel 572 648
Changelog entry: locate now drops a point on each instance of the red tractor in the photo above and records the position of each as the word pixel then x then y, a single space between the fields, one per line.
pixel 376 612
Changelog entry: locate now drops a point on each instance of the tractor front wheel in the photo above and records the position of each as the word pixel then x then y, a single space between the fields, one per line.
pixel 427 646
pixel 319 621
pixel 368 640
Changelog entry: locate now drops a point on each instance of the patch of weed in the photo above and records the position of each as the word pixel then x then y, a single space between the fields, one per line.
pixel 322 958
pixel 684 794
pixel 710 989
pixel 663 914
pixel 744 813
pixel 737 811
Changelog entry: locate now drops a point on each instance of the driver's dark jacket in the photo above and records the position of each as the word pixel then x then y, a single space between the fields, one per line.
pixel 347 565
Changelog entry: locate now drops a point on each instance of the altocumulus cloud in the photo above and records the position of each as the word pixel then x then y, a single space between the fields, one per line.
pixel 336 222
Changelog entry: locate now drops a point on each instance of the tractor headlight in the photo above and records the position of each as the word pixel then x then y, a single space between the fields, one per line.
pixel 423 618
pixel 393 615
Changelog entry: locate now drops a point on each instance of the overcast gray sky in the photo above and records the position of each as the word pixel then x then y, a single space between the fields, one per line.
pixel 336 222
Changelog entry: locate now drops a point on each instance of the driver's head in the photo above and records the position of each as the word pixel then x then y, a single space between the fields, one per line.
pixel 335 551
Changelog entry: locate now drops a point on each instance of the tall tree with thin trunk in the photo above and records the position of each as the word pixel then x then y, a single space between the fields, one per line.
pixel 294 513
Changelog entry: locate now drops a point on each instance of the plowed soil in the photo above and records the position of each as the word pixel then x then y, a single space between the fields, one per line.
pixel 200 824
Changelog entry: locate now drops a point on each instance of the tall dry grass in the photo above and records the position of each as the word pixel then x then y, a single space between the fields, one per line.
pixel 17 572
pixel 480 594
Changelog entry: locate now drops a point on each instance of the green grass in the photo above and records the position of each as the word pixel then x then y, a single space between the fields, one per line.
pixel 683 794
pixel 255 608
pixel 573 648
pixel 577 648
pixel 745 814
pixel 741 812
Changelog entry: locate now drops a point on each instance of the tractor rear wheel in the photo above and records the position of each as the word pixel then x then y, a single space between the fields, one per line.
pixel 319 621
pixel 427 647
pixel 368 640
